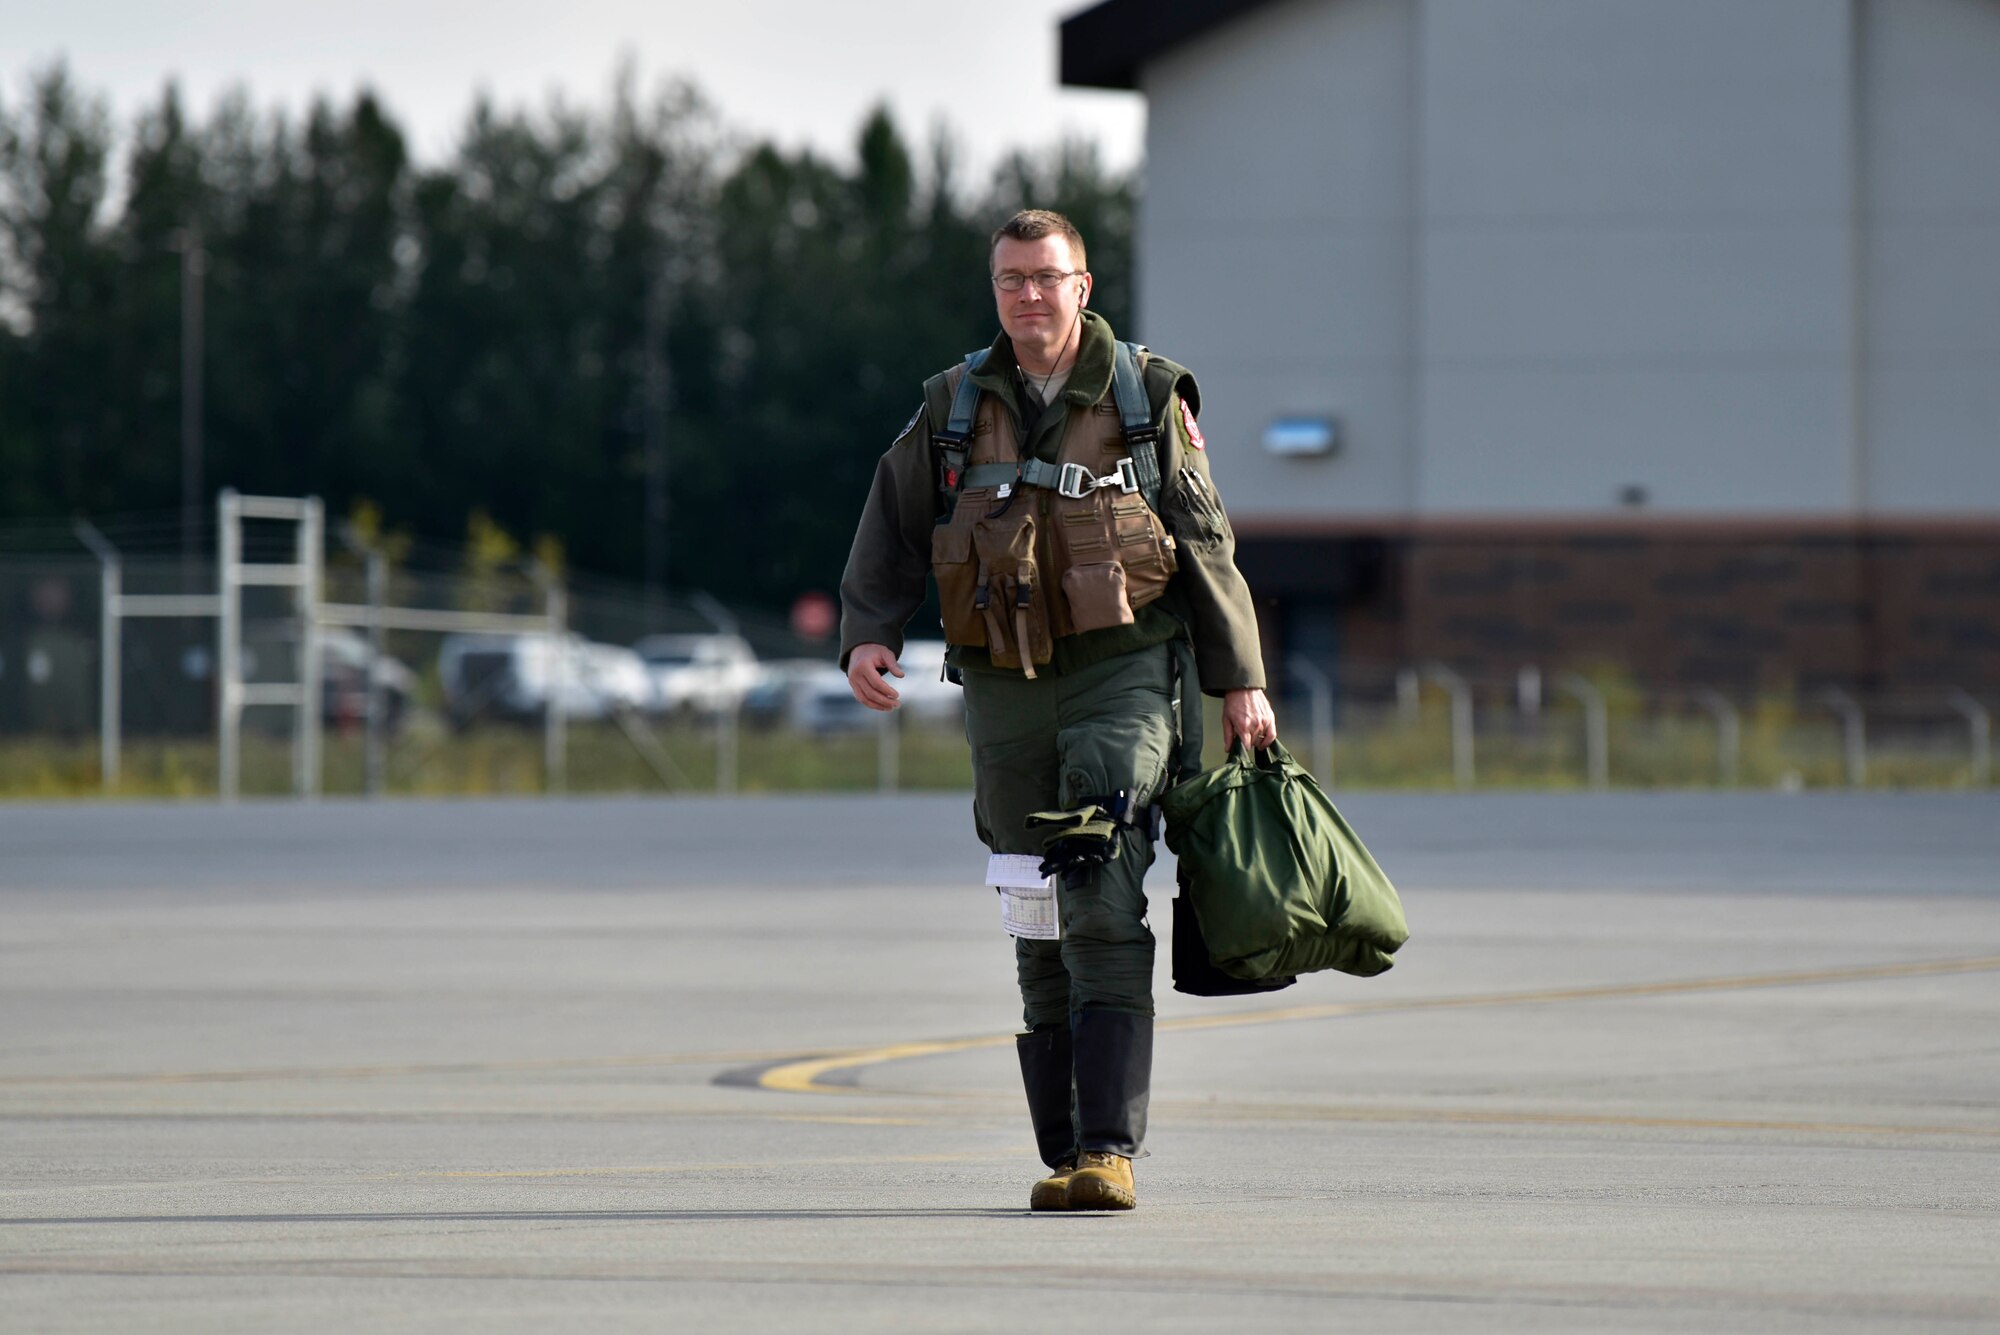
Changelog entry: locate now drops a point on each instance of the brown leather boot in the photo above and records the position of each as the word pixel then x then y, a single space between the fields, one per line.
pixel 1102 1181
pixel 1052 1192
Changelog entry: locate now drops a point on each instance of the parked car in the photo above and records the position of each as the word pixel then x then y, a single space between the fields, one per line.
pixel 812 695
pixel 345 660
pixel 704 673
pixel 806 694
pixel 768 702
pixel 518 677
pixel 927 696
pixel 821 702
pixel 270 652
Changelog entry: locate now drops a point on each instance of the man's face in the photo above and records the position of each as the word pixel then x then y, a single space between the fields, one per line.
pixel 1038 320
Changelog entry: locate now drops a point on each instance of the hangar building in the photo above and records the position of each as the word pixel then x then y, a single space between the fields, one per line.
pixel 1659 331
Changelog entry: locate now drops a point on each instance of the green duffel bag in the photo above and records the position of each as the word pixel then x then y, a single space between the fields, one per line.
pixel 1280 883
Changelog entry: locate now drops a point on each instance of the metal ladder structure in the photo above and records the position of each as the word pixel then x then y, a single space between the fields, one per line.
pixel 302 575
pixel 305 576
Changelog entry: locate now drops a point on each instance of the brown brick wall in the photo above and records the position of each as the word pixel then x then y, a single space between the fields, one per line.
pixel 1736 606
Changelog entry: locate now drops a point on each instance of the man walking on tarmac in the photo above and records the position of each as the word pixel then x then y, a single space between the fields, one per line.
pixel 1056 484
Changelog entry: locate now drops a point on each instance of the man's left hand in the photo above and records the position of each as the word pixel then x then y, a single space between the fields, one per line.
pixel 1247 714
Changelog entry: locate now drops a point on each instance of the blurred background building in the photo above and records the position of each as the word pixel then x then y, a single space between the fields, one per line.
pixel 1663 334
pixel 1605 386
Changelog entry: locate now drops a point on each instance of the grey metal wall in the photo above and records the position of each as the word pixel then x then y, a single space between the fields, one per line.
pixel 1930 140
pixel 1275 252
pixel 1743 254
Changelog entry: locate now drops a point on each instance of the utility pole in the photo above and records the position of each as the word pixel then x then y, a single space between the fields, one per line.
pixel 194 266
pixel 658 384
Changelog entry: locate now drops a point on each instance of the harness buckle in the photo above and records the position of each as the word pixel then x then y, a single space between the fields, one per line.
pixel 1075 481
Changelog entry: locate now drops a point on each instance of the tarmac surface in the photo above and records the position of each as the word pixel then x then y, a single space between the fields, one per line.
pixel 1649 1062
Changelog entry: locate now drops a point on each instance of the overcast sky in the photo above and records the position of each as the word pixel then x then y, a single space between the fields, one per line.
pixel 801 72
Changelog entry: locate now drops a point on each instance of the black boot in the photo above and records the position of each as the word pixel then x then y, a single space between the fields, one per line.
pixel 1045 1073
pixel 1113 1052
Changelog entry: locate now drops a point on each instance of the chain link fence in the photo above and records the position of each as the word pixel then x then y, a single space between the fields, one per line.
pixel 684 695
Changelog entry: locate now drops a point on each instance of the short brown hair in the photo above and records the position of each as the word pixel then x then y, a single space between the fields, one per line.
pixel 1034 224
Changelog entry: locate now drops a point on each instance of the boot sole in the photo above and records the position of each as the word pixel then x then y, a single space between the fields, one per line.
pixel 1094 1193
pixel 1055 1198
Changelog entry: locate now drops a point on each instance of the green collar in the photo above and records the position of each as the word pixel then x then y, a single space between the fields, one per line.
pixel 1089 380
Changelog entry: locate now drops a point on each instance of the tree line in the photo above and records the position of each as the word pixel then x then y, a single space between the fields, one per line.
pixel 674 351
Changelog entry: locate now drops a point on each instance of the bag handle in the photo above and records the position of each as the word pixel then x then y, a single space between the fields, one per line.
pixel 1273 757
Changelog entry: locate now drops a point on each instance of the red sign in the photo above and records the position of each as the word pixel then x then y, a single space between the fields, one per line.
pixel 814 616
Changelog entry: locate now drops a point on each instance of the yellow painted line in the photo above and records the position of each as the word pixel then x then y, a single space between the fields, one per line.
pixel 1742 982
pixel 806 1077
pixel 208 1112
pixel 827 1120
pixel 803 1077
pixel 1282 1112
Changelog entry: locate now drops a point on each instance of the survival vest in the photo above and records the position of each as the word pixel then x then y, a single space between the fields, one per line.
pixel 1028 550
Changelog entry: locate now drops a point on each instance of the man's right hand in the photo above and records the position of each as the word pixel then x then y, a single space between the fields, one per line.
pixel 868 668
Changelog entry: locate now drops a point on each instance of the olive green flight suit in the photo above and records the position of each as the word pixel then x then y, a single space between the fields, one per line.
pixel 1098 718
pixel 1039 746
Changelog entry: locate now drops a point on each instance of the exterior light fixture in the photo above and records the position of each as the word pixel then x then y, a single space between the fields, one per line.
pixel 1302 436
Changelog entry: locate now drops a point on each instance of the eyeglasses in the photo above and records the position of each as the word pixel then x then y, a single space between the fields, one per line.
pixel 1046 279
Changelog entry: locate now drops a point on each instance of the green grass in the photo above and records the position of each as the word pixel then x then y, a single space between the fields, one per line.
pixel 1376 749
pixel 1777 749
pixel 492 761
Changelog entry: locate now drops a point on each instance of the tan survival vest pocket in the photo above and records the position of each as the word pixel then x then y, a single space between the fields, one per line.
pixel 1116 558
pixel 957 578
pixel 1096 595
pixel 1008 595
pixel 1142 545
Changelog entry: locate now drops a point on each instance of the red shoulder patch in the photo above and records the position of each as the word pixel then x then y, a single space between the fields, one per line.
pixel 1193 431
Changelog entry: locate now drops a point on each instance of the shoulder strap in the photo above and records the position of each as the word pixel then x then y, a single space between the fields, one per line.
pixel 952 441
pixel 964 402
pixel 1135 415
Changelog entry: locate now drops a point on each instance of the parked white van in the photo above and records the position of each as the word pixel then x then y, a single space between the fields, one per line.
pixel 520 676
pixel 709 674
